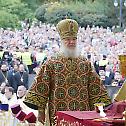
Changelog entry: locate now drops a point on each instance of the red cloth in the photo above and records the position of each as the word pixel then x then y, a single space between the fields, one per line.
pixel 31 118
pixel 86 118
pixel 117 108
pixel 78 118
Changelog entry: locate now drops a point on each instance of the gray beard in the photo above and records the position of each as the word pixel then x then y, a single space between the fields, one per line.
pixel 67 52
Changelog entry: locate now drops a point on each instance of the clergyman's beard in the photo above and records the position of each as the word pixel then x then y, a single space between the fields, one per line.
pixel 68 52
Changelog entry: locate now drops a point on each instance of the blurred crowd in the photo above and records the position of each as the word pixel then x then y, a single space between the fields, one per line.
pixel 32 45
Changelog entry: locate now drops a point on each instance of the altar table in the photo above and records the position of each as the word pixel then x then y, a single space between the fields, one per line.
pixel 87 118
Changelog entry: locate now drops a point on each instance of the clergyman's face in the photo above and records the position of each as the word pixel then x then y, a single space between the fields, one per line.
pixel 69 47
pixel 70 43
pixel 21 91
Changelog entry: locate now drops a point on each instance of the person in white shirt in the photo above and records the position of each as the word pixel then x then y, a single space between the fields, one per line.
pixel 21 92
pixel 9 97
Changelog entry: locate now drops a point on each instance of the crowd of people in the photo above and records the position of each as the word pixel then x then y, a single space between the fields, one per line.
pixel 22 52
pixel 32 45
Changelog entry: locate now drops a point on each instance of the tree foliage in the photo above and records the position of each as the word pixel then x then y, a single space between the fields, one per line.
pixel 40 13
pixel 8 20
pixel 14 11
pixel 55 16
pixel 86 12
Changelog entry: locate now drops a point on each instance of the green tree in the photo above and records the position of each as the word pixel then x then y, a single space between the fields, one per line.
pixel 62 13
pixel 15 9
pixel 33 4
pixel 8 20
pixel 40 13
pixel 97 12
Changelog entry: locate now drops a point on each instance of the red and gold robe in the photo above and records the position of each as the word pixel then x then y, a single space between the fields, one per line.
pixel 67 84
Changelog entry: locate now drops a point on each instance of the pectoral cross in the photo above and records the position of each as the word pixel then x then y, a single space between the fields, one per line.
pixel 22 79
pixel 61 94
